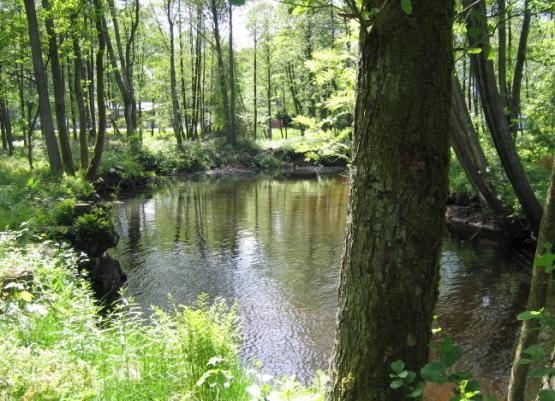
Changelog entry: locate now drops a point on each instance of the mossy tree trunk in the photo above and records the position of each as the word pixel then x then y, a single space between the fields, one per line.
pixel 537 297
pixel 390 266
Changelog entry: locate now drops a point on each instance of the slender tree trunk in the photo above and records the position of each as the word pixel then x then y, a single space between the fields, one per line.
pixel 291 83
pixel 182 75
pixel 232 136
pixel 221 68
pixel 6 125
pixel 390 267
pixel 502 51
pixel 173 81
pixel 30 129
pixel 99 144
pixel 71 91
pixel 4 135
pixel 47 124
pixel 537 297
pixel 254 88
pixel 548 381
pixel 59 90
pixel 21 90
pixel 471 156
pixel 80 98
pixel 514 104
pixel 494 113
pixel 91 90
pixel 268 79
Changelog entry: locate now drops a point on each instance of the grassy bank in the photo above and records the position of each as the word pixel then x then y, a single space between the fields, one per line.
pixel 56 347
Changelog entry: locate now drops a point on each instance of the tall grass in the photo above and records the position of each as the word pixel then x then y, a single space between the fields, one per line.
pixel 55 346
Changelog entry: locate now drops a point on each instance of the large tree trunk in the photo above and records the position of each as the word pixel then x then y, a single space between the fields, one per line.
pixel 46 122
pixel 101 133
pixel 539 287
pixel 390 267
pixel 80 98
pixel 59 90
pixel 494 112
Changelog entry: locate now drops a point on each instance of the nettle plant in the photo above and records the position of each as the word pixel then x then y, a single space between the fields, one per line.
pixel 466 388
pixel 440 371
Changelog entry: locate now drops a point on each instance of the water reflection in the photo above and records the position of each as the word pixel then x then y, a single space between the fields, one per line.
pixel 275 246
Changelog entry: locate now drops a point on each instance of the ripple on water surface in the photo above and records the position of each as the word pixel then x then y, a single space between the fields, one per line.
pixel 275 246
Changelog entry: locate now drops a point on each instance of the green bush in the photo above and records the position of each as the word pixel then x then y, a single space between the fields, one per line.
pixel 93 225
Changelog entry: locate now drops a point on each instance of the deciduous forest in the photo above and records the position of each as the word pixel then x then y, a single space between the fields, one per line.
pixel 226 200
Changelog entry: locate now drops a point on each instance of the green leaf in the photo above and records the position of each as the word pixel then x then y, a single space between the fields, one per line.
pixel 536 352
pixel 410 377
pixel 475 50
pixel 237 2
pixel 406 5
pixel 527 315
pixel 472 386
pixel 446 345
pixel 25 296
pixel 545 261
pixel 418 390
pixel 541 372
pixel 433 372
pixel 396 384
pixel 298 10
pixel 546 395
pixel 451 357
pixel 491 57
pixel 398 366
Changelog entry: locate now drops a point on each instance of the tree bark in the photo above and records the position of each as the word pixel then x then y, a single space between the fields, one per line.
pixel 71 91
pixel 254 83
pixel 6 125
pixel 496 118
pixel 268 77
pixel 390 266
pixel 80 98
pixel 514 103
pixel 502 51
pixel 221 67
pixel 59 90
pixel 101 133
pixel 176 119
pixel 231 137
pixel 91 94
pixel 46 122
pixel 537 297
pixel 470 155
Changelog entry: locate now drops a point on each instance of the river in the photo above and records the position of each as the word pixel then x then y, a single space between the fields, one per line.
pixel 274 245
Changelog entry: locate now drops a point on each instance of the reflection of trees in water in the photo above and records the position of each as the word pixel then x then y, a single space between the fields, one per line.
pixel 480 296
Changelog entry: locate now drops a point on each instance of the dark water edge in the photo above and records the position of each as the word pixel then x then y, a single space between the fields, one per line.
pixel 274 244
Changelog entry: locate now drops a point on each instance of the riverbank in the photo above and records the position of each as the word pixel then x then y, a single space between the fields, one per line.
pixel 55 346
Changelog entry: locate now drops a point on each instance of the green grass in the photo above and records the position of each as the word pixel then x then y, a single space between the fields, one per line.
pixel 56 347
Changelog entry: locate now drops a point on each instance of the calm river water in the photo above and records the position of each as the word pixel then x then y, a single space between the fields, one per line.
pixel 275 246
